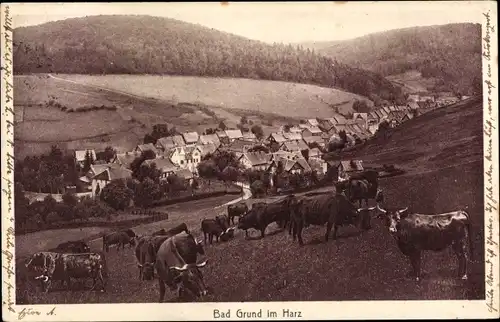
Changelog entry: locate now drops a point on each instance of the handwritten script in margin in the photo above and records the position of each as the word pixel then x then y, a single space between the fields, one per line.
pixel 8 269
pixel 491 204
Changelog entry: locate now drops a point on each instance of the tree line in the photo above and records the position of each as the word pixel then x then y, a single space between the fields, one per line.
pixel 150 45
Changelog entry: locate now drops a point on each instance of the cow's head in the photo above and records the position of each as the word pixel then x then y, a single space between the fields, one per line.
pixel 147 270
pixel 245 220
pixel 199 246
pixel 190 281
pixel 393 217
pixel 227 234
pixel 222 221
pixel 379 196
pixel 36 261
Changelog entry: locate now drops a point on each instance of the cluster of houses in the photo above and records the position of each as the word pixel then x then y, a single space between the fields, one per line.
pixel 181 154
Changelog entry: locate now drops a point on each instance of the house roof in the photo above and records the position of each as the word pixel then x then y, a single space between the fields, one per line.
pixel 413 105
pixel 373 128
pixel 386 109
pixel 210 139
pixel 296 129
pixel 316 164
pixel 238 146
pixel 163 164
pixel 311 139
pixel 314 129
pixel 179 140
pixel 221 134
pixel 352 165
pixel 184 174
pixel 147 146
pixel 315 152
pixel 288 164
pixel 257 158
pixel 362 116
pixel 234 134
pixel 165 143
pixel 278 137
pixel 291 146
pixel 285 155
pixel 249 136
pixel 125 159
pixel 313 122
pixel 80 154
pixel 190 137
pixel 290 136
pixel 340 127
pixel 207 148
pixel 337 119
pixel 113 173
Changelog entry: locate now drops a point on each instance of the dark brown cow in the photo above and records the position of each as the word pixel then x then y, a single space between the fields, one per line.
pixel 145 253
pixel 362 186
pixel 176 264
pixel 117 238
pixel 236 210
pixel 129 232
pixel 173 231
pixel 215 227
pixel 415 233
pixel 263 214
pixel 334 210
pixel 57 266
pixel 72 247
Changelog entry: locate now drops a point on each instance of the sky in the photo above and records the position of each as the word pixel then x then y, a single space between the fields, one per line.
pixel 290 22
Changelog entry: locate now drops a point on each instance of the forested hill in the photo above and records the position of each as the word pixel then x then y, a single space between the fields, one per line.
pixel 154 45
pixel 451 53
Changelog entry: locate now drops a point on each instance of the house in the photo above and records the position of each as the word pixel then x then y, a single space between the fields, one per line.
pixel 185 175
pixel 413 98
pixel 337 119
pixel 373 128
pixel 312 131
pixel 276 138
pixel 223 138
pixel 386 109
pixel 249 136
pixel 237 146
pixel 340 127
pixel 406 117
pixel 207 149
pixel 163 164
pixel 165 143
pixel 360 118
pixel 292 136
pixel 80 156
pixel 317 164
pixel 296 129
pixel 427 99
pixel 178 140
pixel 191 138
pixel 106 175
pixel 186 157
pixel 234 135
pixel 209 139
pixel 255 160
pixel 145 147
pixel 311 139
pixel 313 122
pixel 126 159
pixel 346 168
pixel 315 153
pixel 94 169
pixel 351 140
pixel 294 146
pixel 299 166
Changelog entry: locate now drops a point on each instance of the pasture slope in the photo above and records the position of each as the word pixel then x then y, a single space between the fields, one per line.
pixel 357 266
pixel 188 103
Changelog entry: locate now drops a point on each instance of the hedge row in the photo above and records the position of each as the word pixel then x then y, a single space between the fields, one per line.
pixel 170 201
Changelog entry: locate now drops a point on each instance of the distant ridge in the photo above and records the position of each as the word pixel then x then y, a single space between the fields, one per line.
pixel 136 44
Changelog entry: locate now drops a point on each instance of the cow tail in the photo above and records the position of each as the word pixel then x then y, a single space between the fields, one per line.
pixel 104 243
pixel 469 234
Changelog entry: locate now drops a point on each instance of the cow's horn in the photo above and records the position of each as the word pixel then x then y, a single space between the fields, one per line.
pixel 181 269
pixel 361 209
pixel 202 263
pixel 45 278
pixel 403 210
pixel 139 265
pixel 39 277
pixel 381 210
pixel 198 241
pixel 371 208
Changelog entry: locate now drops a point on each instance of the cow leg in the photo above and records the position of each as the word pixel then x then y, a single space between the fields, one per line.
pixel 329 226
pixel 335 229
pixel 68 282
pixel 162 290
pixel 299 234
pixel 210 238
pixel 461 252
pixel 262 232
pixel 205 238
pixel 217 238
pixel 415 260
pixel 101 278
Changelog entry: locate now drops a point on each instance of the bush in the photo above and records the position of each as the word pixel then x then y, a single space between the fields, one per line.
pixel 257 188
pixel 117 195
pixel 53 217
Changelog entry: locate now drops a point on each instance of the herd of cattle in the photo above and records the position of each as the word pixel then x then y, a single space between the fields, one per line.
pixel 172 254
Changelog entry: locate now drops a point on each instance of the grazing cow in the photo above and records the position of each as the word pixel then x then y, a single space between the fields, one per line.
pixel 263 214
pixel 332 209
pixel 57 266
pixel 176 264
pixel 215 227
pixel 415 233
pixel 362 186
pixel 236 210
pixel 117 238
pixel 72 247
pixel 173 231
pixel 129 232
pixel 145 252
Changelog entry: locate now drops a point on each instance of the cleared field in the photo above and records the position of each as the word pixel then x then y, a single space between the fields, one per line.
pixel 413 82
pixel 291 99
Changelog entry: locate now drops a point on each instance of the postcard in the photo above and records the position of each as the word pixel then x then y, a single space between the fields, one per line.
pixel 249 161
